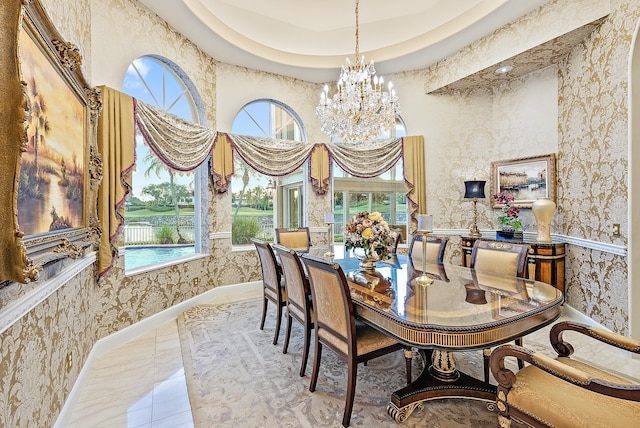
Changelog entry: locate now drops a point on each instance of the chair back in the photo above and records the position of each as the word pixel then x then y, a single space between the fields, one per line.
pixel 435 249
pixel 500 258
pixel 270 273
pixel 396 241
pixel 296 238
pixel 295 281
pixel 335 319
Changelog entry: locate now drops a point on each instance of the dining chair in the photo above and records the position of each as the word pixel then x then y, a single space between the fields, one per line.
pixel 298 299
pixel 337 327
pixel 396 241
pixel 272 288
pixel 436 245
pixel 504 259
pixel 296 238
pixel 565 391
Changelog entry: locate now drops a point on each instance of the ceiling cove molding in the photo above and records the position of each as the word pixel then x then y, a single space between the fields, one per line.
pixel 533 42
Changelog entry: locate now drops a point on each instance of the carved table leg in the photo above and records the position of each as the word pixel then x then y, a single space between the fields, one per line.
pixel 401 414
pixel 443 366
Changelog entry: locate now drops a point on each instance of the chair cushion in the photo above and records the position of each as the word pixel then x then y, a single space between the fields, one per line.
pixel 498 262
pixel 562 404
pixel 432 253
pixel 298 241
pixel 369 339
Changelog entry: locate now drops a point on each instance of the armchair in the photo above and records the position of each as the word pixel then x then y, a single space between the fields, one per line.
pixel 564 392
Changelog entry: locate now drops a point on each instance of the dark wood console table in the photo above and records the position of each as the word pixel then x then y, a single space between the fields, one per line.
pixel 546 260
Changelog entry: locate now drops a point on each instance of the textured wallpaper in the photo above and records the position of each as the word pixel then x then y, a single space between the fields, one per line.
pixel 592 163
pixel 577 109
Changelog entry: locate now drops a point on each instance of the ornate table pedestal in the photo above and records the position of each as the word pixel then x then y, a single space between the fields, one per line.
pixel 441 379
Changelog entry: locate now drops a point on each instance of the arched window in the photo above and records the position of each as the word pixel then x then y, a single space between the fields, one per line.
pixel 161 220
pixel 261 203
pixel 385 193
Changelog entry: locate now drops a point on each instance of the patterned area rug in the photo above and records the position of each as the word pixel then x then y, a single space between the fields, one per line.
pixel 237 377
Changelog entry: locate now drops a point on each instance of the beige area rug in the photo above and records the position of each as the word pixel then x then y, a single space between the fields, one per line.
pixel 237 377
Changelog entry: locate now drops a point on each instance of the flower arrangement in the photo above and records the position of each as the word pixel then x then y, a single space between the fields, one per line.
pixel 509 217
pixel 370 232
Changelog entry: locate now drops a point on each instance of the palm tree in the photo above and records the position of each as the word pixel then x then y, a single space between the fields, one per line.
pixel 39 122
pixel 245 183
pixel 156 166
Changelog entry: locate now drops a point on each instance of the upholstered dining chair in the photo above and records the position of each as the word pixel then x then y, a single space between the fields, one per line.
pixel 296 238
pixel 298 299
pixel 504 259
pixel 396 241
pixel 565 392
pixel 271 284
pixel 436 245
pixel 337 327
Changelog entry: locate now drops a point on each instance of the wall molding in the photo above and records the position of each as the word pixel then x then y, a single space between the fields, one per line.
pixel 18 308
pixel 619 250
pixel 220 235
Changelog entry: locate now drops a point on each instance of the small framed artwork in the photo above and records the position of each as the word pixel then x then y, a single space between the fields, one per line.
pixel 526 179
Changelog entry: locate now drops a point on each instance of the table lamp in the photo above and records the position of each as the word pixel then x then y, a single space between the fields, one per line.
pixel 329 219
pixel 474 189
pixel 425 227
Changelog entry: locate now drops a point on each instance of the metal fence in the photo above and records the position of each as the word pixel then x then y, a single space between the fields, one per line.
pixel 146 233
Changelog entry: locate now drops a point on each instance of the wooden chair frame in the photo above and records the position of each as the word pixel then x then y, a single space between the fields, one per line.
pixel 441 241
pixel 522 251
pixel 299 305
pixel 271 284
pixel 317 269
pixel 506 378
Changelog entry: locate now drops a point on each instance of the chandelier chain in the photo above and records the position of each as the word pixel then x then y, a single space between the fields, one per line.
pixel 357 35
pixel 360 110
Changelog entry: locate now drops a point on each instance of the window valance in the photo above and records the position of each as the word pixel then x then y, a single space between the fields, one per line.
pixel 183 146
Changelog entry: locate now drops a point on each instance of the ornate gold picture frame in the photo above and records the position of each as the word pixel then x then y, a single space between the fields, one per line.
pixel 56 168
pixel 527 179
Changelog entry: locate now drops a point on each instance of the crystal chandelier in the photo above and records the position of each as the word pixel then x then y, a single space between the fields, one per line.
pixel 360 110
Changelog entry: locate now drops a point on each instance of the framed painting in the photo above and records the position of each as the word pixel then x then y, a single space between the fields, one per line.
pixel 526 179
pixel 58 166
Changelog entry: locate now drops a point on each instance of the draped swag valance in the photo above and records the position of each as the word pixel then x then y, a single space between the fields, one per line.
pixel 183 146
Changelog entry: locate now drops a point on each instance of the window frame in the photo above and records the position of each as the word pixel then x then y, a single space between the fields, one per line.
pixel 190 94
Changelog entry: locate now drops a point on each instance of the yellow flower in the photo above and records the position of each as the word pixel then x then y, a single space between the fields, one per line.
pixel 375 216
pixel 366 234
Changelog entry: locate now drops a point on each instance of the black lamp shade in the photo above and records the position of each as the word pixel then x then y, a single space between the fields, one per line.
pixel 474 189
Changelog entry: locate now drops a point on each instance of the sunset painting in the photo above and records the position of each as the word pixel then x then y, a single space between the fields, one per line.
pixel 51 184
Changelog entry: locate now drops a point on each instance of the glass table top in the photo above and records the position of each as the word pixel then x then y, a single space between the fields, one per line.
pixel 459 298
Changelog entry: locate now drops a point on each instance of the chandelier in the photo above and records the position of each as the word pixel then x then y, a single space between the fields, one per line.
pixel 360 110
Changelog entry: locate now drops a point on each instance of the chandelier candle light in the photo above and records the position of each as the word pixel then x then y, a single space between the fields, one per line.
pixel 425 227
pixel 360 110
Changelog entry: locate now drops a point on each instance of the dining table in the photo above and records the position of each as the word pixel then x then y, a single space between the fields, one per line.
pixel 460 310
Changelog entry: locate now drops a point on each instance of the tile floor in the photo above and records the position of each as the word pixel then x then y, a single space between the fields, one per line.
pixel 142 383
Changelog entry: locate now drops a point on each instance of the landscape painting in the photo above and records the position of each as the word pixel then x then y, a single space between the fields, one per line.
pixel 527 179
pixel 52 170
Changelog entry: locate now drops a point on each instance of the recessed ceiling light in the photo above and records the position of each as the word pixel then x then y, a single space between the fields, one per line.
pixel 504 69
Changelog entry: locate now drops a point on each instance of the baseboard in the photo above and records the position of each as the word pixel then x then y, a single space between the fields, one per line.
pixel 224 294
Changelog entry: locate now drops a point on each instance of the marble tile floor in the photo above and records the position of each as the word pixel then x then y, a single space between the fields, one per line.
pixel 142 383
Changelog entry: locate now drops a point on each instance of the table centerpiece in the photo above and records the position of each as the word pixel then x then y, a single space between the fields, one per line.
pixel 370 238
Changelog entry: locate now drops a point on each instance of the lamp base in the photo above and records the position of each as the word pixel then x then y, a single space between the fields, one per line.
pixel 474 232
